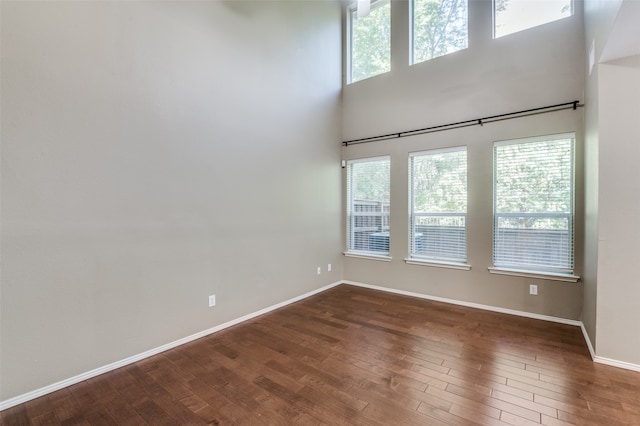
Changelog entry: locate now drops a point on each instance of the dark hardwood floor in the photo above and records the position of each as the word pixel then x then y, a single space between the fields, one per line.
pixel 353 356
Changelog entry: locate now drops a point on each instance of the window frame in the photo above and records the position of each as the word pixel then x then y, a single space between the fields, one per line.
pixel 351 10
pixel 438 261
pixel 350 218
pixel 412 32
pixel 495 27
pixel 548 272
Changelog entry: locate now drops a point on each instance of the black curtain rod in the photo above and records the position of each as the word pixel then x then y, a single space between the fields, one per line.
pixel 467 123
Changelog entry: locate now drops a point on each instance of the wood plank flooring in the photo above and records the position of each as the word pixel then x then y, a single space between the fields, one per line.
pixel 353 356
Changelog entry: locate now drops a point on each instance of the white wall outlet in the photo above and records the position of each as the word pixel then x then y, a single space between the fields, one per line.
pixel 319 270
pixel 329 267
pixel 533 289
pixel 212 300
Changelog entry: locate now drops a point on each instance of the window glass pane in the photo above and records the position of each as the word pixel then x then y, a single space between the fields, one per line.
pixel 370 42
pixel 368 206
pixel 534 202
pixel 439 27
pixel 511 16
pixel 438 205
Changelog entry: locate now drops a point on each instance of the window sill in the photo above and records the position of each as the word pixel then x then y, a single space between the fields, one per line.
pixel 534 274
pixel 436 264
pixel 369 256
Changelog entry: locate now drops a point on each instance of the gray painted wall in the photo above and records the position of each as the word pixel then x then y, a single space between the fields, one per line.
pixel 533 68
pixel 618 316
pixel 611 186
pixel 599 17
pixel 154 153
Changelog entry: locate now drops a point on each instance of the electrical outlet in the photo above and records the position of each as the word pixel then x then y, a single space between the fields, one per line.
pixel 329 267
pixel 533 289
pixel 319 270
pixel 212 300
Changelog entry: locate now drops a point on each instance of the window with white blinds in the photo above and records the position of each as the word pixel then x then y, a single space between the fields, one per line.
pixel 438 205
pixel 368 206
pixel 534 204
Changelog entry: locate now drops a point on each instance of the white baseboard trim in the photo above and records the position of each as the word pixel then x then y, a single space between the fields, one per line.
pixel 587 339
pixel 616 363
pixel 130 360
pixel 606 361
pixel 11 402
pixel 469 304
pixel 594 357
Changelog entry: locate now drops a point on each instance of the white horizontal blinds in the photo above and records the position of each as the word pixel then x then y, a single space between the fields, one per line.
pixel 368 206
pixel 534 204
pixel 438 205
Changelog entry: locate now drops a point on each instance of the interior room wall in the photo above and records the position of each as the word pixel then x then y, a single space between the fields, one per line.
pixel 599 16
pixel 533 68
pixel 618 293
pixel 153 154
pixel 611 243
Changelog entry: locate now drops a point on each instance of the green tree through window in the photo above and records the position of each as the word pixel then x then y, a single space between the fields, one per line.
pixel 438 205
pixel 534 203
pixel 371 42
pixel 439 28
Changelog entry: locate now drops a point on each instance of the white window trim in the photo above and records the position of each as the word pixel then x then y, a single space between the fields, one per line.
pixel 366 255
pixel 534 274
pixel 436 264
pixel 438 150
pixel 368 159
pixel 533 139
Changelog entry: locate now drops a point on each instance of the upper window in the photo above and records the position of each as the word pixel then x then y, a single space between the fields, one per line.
pixel 438 205
pixel 511 16
pixel 368 207
pixel 438 27
pixel 534 204
pixel 369 41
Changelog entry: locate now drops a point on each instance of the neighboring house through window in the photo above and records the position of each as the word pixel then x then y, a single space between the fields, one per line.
pixel 368 206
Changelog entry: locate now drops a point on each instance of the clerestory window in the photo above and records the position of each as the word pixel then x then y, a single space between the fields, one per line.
pixel 510 16
pixel 369 41
pixel 438 27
